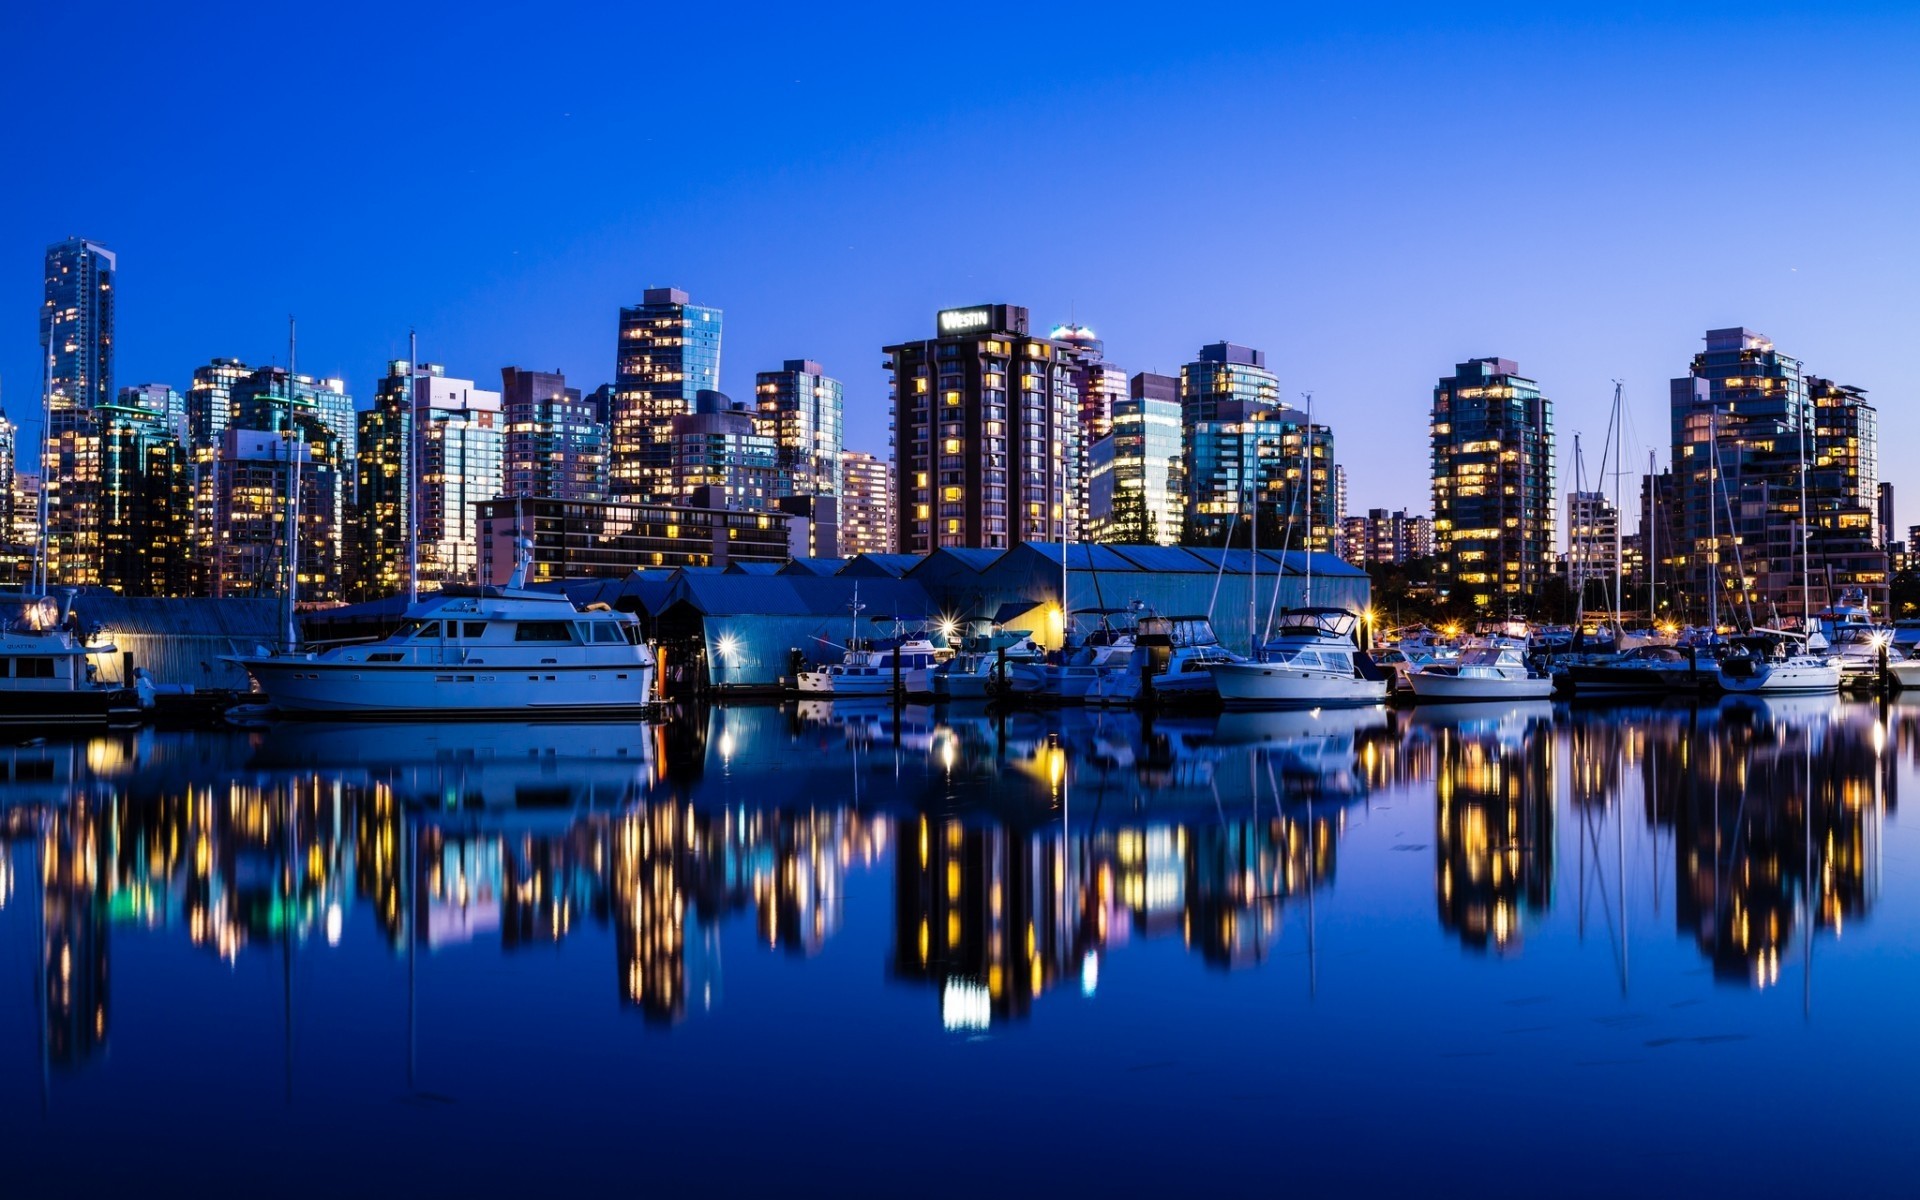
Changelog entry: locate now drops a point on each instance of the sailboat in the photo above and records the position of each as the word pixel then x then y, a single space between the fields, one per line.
pixel 1312 657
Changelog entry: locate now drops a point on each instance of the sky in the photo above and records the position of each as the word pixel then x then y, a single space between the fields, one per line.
pixel 1370 193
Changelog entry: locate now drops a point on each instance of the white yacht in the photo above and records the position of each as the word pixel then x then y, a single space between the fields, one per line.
pixel 1764 666
pixel 1311 659
pixel 472 653
pixel 1492 672
pixel 866 671
pixel 47 675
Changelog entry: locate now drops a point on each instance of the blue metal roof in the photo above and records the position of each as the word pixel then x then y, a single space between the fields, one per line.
pixel 1161 558
pixel 813 566
pixel 754 568
pixel 894 565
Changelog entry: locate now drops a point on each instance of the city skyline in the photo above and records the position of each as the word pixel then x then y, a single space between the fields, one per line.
pixel 1352 292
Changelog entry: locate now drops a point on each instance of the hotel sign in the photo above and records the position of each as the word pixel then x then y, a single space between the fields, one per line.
pixel 966 320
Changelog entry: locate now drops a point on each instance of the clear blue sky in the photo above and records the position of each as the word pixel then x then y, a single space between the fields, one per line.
pixel 1370 194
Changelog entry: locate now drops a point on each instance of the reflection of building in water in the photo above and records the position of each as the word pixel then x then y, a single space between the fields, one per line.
pixel 74 950
pixel 995 916
pixel 1493 848
pixel 1754 844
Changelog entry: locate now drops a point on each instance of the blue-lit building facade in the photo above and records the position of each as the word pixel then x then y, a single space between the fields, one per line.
pixel 803 410
pixel 667 353
pixel 1134 471
pixel 1747 420
pixel 1494 501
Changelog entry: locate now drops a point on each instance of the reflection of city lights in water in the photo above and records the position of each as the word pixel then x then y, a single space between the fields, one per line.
pixel 1090 974
pixel 726 745
pixel 334 921
pixel 965 1005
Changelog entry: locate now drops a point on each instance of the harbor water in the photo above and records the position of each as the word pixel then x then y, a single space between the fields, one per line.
pixel 1481 950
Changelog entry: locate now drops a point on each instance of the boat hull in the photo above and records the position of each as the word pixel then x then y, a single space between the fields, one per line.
pixel 1784 679
pixel 1254 685
pixel 67 707
pixel 299 687
pixel 1454 687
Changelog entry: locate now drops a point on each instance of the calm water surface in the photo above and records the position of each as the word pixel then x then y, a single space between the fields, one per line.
pixel 1506 950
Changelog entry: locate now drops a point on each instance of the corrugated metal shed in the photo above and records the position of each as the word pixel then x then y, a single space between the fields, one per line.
pixel 180 640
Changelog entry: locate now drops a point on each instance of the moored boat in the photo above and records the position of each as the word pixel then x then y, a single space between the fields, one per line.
pixel 1311 659
pixel 471 653
pixel 1492 672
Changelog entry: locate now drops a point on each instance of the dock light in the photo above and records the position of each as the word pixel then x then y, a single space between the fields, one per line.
pixel 729 648
pixel 948 627
pixel 1880 640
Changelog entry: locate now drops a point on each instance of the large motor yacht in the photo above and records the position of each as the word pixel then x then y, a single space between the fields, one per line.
pixel 472 653
pixel 46 672
pixel 1311 659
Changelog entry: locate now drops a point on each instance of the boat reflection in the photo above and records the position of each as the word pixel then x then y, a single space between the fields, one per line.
pixel 1024 850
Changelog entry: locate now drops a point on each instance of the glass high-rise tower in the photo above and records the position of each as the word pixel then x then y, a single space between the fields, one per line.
pixel 667 353
pixel 1491 433
pixel 76 342
pixel 802 409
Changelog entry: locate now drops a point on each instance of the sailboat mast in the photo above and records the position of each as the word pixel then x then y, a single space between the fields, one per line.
pixel 47 458
pixel 1306 450
pixel 1713 521
pixel 291 524
pixel 1651 540
pixel 1619 596
pixel 1806 557
pixel 1253 550
pixel 412 425
pixel 1581 542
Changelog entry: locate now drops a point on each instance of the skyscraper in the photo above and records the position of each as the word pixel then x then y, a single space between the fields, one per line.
pixel 556 443
pixel 803 411
pixel 987 433
pixel 668 351
pixel 241 496
pixel 159 398
pixel 76 342
pixel 1750 428
pixel 1592 524
pixel 1493 493
pixel 1223 393
pixel 1246 452
pixel 9 466
pixel 76 322
pixel 719 458
pixel 210 402
pixel 322 412
pixel 1101 383
pixel 145 500
pixel 460 455
pixel 866 504
pixel 383 495
pixel 1134 471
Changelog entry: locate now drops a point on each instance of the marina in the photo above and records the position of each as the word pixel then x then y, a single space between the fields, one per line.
pixel 1201 922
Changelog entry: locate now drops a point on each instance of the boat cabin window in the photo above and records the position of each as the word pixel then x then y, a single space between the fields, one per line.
pixel 417 629
pixel 604 631
pixel 473 629
pixel 542 631
pixel 33 668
